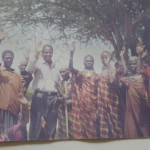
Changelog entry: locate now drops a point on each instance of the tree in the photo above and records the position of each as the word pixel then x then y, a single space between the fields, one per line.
pixel 120 22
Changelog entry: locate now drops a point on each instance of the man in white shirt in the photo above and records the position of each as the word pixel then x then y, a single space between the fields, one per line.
pixel 44 101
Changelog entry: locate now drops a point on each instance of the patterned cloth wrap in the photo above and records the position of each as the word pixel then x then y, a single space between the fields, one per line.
pixel 84 86
pixel 108 110
pixel 62 131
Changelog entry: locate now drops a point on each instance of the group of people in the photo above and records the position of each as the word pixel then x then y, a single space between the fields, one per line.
pixel 82 104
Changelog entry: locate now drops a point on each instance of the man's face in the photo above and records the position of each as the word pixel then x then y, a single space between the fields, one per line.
pixel 8 60
pixel 64 73
pixel 88 63
pixel 47 53
pixel 22 68
pixel 132 66
pixel 119 68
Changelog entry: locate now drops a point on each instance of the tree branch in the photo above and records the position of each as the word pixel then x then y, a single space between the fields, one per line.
pixel 140 17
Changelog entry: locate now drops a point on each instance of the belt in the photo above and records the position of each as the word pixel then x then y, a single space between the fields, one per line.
pixel 48 93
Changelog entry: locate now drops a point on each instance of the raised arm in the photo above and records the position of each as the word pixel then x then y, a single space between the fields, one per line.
pixel 72 49
pixel 32 62
pixel 122 59
pixel 110 72
pixel 2 35
pixel 141 54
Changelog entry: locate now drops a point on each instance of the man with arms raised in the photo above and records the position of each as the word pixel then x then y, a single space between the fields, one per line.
pixel 44 101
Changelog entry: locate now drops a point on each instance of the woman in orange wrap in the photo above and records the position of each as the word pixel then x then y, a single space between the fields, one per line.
pixel 136 101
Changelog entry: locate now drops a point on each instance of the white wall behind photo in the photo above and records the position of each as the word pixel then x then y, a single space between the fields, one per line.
pixel 131 144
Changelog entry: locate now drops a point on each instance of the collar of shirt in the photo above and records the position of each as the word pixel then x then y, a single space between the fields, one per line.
pixel 53 65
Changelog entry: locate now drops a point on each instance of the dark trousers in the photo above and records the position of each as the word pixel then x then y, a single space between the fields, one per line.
pixel 43 105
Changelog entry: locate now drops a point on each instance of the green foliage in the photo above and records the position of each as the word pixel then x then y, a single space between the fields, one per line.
pixel 29 94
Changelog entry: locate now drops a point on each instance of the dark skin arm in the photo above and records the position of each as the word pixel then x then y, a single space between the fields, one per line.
pixel 71 61
pixel 72 49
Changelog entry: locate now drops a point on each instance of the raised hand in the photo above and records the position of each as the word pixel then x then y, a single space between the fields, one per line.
pixel 72 47
pixel 107 60
pixel 144 53
pixel 39 49
pixel 27 54
pixel 2 34
pixel 122 51
pixel 140 48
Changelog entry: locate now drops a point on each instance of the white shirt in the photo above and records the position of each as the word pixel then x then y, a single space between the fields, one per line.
pixel 45 75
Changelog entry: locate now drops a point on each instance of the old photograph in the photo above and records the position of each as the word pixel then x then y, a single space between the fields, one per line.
pixel 74 69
